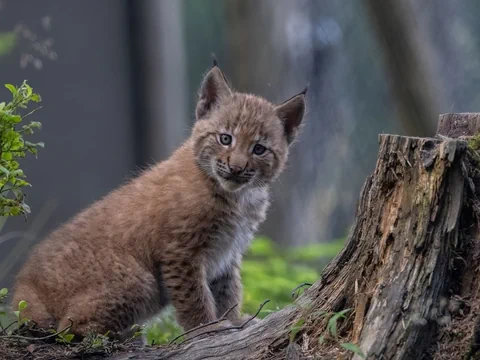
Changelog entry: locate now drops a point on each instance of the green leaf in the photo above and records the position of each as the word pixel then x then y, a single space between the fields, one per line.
pixel 28 91
pixel 68 337
pixel 17 314
pixel 35 124
pixel 3 292
pixel 4 170
pixel 295 329
pixel 15 119
pixel 25 208
pixel 22 305
pixel 12 88
pixel 36 98
pixel 332 322
pixel 353 348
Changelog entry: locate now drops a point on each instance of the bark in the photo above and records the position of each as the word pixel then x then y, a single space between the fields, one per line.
pixel 458 125
pixel 407 271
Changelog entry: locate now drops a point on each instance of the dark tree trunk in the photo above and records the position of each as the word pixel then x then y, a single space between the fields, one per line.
pixel 410 64
pixel 407 272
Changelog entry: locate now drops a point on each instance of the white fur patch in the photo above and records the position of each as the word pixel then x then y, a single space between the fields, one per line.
pixel 232 243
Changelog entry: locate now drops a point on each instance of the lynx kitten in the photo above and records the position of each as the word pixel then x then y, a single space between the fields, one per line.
pixel 174 235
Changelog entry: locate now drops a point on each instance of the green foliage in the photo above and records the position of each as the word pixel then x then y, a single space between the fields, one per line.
pixel 3 313
pixel 332 322
pixel 163 330
pixel 3 294
pixel 96 341
pixel 22 305
pixel 13 146
pixel 295 329
pixel 330 330
pixel 7 43
pixel 270 272
pixel 64 338
pixel 353 348
pixel 474 142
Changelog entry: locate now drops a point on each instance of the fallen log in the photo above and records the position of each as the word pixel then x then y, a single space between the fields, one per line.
pixel 408 270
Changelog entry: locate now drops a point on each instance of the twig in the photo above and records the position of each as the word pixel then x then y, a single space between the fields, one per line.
pixel 31 112
pixel 297 288
pixel 220 319
pixel 239 327
pixel 38 338
pixel 4 330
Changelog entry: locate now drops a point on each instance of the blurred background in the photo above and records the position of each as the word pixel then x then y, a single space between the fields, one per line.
pixel 118 79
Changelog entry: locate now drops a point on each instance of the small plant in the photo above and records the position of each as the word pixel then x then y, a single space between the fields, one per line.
pixel 163 330
pixel 3 296
pixel 330 331
pixel 22 305
pixel 474 142
pixel 62 338
pixel 353 348
pixel 96 341
pixel 13 146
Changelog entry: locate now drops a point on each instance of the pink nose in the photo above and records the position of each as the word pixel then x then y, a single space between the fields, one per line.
pixel 235 169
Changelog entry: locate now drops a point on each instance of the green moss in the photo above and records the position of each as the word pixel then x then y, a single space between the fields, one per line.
pixel 474 142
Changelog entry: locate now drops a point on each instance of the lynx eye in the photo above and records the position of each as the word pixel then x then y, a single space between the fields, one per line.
pixel 259 149
pixel 225 139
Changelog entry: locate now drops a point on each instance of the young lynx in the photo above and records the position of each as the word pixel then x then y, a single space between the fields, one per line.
pixel 174 235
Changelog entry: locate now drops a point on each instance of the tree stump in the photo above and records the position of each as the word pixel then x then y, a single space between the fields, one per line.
pixel 407 272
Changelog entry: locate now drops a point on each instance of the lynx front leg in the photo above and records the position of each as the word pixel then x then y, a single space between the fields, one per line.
pixel 190 295
pixel 227 291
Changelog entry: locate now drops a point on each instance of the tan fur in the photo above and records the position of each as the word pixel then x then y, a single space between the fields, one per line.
pixel 175 234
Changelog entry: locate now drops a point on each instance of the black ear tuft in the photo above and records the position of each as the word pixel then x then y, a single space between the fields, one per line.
pixel 215 62
pixel 304 91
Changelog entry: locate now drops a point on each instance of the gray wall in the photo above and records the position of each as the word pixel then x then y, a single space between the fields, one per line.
pixel 87 109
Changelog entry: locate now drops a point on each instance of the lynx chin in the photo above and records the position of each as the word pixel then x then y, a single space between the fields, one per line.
pixel 174 235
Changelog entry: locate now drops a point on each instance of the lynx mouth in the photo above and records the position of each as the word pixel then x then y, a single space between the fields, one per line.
pixel 230 182
pixel 236 179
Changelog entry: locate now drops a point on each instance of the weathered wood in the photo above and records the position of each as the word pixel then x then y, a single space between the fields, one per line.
pixel 459 124
pixel 400 247
pixel 395 270
pixel 461 335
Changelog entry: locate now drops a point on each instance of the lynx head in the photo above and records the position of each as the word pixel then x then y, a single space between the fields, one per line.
pixel 242 140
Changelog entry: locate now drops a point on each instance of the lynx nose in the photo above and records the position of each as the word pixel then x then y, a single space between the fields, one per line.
pixel 235 169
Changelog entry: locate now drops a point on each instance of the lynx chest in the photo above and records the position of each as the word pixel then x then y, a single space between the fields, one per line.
pixel 234 232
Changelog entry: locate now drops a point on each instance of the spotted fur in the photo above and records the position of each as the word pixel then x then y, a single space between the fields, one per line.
pixel 174 235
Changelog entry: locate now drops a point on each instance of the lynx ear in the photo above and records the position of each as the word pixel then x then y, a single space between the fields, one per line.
pixel 213 90
pixel 291 113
